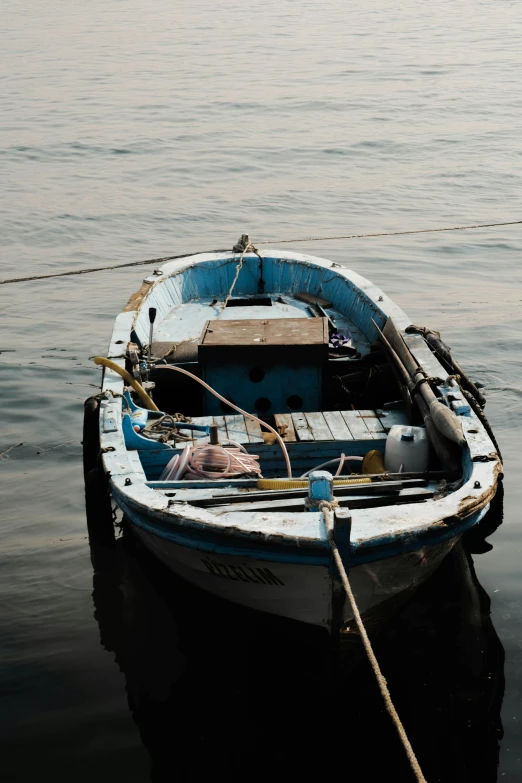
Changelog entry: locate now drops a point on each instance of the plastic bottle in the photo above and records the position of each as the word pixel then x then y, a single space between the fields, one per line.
pixel 407 449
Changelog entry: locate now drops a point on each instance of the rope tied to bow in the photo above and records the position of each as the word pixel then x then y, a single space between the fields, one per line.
pixel 244 246
pixel 321 505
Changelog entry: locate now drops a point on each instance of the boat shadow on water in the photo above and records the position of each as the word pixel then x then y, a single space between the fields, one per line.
pixel 215 688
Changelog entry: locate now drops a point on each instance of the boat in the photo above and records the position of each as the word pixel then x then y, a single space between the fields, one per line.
pixel 250 395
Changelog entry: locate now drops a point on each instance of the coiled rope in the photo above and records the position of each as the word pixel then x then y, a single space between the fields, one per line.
pixel 327 509
pixel 163 259
pixel 209 461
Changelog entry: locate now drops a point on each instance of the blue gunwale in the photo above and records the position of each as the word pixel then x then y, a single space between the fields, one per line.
pixel 194 535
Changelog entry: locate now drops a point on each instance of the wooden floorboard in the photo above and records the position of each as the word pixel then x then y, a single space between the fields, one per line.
pixel 357 425
pixel 337 425
pixel 373 423
pixel 317 424
pixel 301 427
pixel 390 418
pixel 254 431
pixel 236 428
pixel 285 427
pixel 313 426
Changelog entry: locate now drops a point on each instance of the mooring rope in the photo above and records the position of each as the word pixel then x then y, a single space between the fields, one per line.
pixel 389 233
pixel 327 509
pixel 94 269
pixel 264 242
pixel 247 248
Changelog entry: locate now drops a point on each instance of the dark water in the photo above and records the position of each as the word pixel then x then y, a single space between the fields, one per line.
pixel 131 131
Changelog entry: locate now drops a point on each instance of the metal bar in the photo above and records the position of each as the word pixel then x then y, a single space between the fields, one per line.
pixel 298 504
pixel 340 491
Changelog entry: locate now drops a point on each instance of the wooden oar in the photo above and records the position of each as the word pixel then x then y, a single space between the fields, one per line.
pixel 442 445
pixel 446 421
pixel 435 342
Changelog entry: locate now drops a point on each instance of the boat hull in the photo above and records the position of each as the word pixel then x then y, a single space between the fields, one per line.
pixel 310 594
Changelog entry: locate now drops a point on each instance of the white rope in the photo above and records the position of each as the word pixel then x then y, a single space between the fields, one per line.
pixel 327 509
pixel 249 248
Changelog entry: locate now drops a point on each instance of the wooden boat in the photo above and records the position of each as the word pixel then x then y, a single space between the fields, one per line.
pixel 312 364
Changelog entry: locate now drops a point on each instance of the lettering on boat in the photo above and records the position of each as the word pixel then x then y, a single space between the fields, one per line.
pixel 242 573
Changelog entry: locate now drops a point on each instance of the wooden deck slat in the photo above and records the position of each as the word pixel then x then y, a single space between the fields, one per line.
pixel 318 425
pixel 356 425
pixel 301 427
pixel 314 426
pixel 254 431
pixel 389 418
pixel 337 425
pixel 285 420
pixel 236 428
pixel 373 423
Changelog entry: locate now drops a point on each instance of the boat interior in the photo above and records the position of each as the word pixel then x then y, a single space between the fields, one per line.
pixel 297 364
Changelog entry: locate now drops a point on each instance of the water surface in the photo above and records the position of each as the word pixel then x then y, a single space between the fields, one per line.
pixel 132 131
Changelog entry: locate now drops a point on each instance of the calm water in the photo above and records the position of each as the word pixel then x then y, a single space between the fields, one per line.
pixel 131 130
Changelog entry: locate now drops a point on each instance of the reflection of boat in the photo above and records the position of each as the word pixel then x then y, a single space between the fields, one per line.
pixel 214 687
pixel 290 341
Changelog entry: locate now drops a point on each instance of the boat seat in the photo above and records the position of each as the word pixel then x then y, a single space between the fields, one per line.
pixel 315 426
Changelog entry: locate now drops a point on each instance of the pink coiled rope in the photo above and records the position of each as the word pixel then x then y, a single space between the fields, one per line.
pixel 206 461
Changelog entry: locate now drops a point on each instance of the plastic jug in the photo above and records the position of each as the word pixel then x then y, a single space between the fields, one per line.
pixel 407 449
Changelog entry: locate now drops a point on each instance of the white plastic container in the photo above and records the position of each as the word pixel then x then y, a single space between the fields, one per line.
pixel 407 449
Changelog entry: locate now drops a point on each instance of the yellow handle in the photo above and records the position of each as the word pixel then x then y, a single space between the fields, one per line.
pixel 138 388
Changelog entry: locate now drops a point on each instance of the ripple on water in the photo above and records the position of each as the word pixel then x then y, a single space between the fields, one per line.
pixel 128 135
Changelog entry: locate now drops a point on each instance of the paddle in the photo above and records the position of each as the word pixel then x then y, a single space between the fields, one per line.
pixel 434 421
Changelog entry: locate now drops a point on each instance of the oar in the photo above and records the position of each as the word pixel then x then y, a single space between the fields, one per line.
pixel 442 445
pixel 435 342
pixel 446 421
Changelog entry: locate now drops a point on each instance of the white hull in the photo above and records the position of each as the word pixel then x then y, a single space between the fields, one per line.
pixel 296 591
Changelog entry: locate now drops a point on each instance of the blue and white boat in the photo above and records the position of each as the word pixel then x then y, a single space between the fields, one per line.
pixel 308 360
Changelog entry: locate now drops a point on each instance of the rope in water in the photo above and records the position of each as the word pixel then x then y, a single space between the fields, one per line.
pixel 264 242
pixel 327 509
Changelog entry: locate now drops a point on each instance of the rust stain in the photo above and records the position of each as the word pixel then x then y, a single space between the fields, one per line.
pixel 138 296
pixel 471 504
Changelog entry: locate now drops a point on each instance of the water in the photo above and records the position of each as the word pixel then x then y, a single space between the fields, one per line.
pixel 130 131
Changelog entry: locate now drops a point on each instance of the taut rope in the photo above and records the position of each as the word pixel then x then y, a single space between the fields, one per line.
pixel 264 242
pixel 327 509
pixel 389 233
